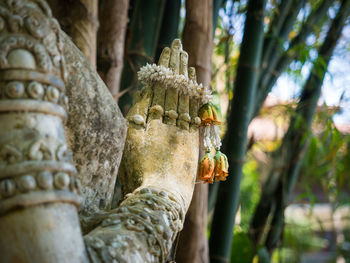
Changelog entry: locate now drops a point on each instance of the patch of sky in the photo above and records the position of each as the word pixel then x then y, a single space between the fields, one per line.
pixel 336 84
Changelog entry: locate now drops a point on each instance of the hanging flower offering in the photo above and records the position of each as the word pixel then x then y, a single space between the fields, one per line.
pixel 208 114
pixel 211 138
pixel 206 168
pixel 221 166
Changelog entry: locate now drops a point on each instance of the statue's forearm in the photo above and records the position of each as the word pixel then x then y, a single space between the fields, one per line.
pixel 142 229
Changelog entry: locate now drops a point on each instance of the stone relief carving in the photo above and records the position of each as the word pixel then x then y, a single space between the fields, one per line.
pixel 37 177
pixel 31 80
pixel 18 90
pixel 37 151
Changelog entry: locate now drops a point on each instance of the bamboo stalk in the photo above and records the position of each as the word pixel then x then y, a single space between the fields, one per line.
pixel 275 49
pixel 274 30
pixel 236 136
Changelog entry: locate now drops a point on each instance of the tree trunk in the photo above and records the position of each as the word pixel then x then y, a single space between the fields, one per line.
pixel 79 20
pixel 140 46
pixel 197 41
pixel 197 38
pixel 110 42
pixel 236 136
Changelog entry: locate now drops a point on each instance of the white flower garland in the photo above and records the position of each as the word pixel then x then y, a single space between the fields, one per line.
pixel 215 136
pixel 211 137
pixel 150 74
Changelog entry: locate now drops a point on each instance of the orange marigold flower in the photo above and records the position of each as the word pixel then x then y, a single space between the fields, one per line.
pixel 221 166
pixel 206 168
pixel 208 114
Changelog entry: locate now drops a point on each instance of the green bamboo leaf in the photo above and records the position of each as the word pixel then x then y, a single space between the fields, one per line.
pixel 313 149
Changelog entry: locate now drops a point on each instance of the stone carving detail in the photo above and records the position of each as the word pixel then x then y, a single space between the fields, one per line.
pixel 10 154
pixel 12 47
pixel 147 216
pixel 44 180
pixel 33 90
pixel 35 163
pixel 38 44
pixel 37 151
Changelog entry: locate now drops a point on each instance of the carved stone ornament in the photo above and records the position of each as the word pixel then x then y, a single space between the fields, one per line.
pixel 35 164
pixel 39 189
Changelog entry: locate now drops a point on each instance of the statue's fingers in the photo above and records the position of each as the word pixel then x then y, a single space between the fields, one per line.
pixel 184 117
pixel 195 120
pixel 192 74
pixel 138 113
pixel 164 57
pixel 183 107
pixel 176 48
pixel 157 106
pixel 171 96
pixel 194 103
pixel 171 102
pixel 156 112
pixel 184 63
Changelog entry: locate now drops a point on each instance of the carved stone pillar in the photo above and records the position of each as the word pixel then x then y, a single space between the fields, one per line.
pixel 39 191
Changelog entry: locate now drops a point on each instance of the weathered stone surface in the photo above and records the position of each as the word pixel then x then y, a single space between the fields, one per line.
pixel 96 130
pixel 160 150
pixel 43 233
pixel 157 175
pixel 141 230
pixel 39 189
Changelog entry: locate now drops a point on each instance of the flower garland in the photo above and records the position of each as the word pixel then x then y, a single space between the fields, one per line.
pixel 150 74
pixel 210 167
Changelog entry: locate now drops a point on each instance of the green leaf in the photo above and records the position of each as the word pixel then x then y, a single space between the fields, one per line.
pixel 313 149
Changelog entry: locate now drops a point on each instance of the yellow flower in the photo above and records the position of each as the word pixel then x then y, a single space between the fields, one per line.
pixel 221 166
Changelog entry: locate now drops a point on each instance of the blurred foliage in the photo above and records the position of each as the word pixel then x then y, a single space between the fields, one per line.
pixel 326 164
pixel 250 192
pixel 344 248
pixel 242 249
pixel 298 239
